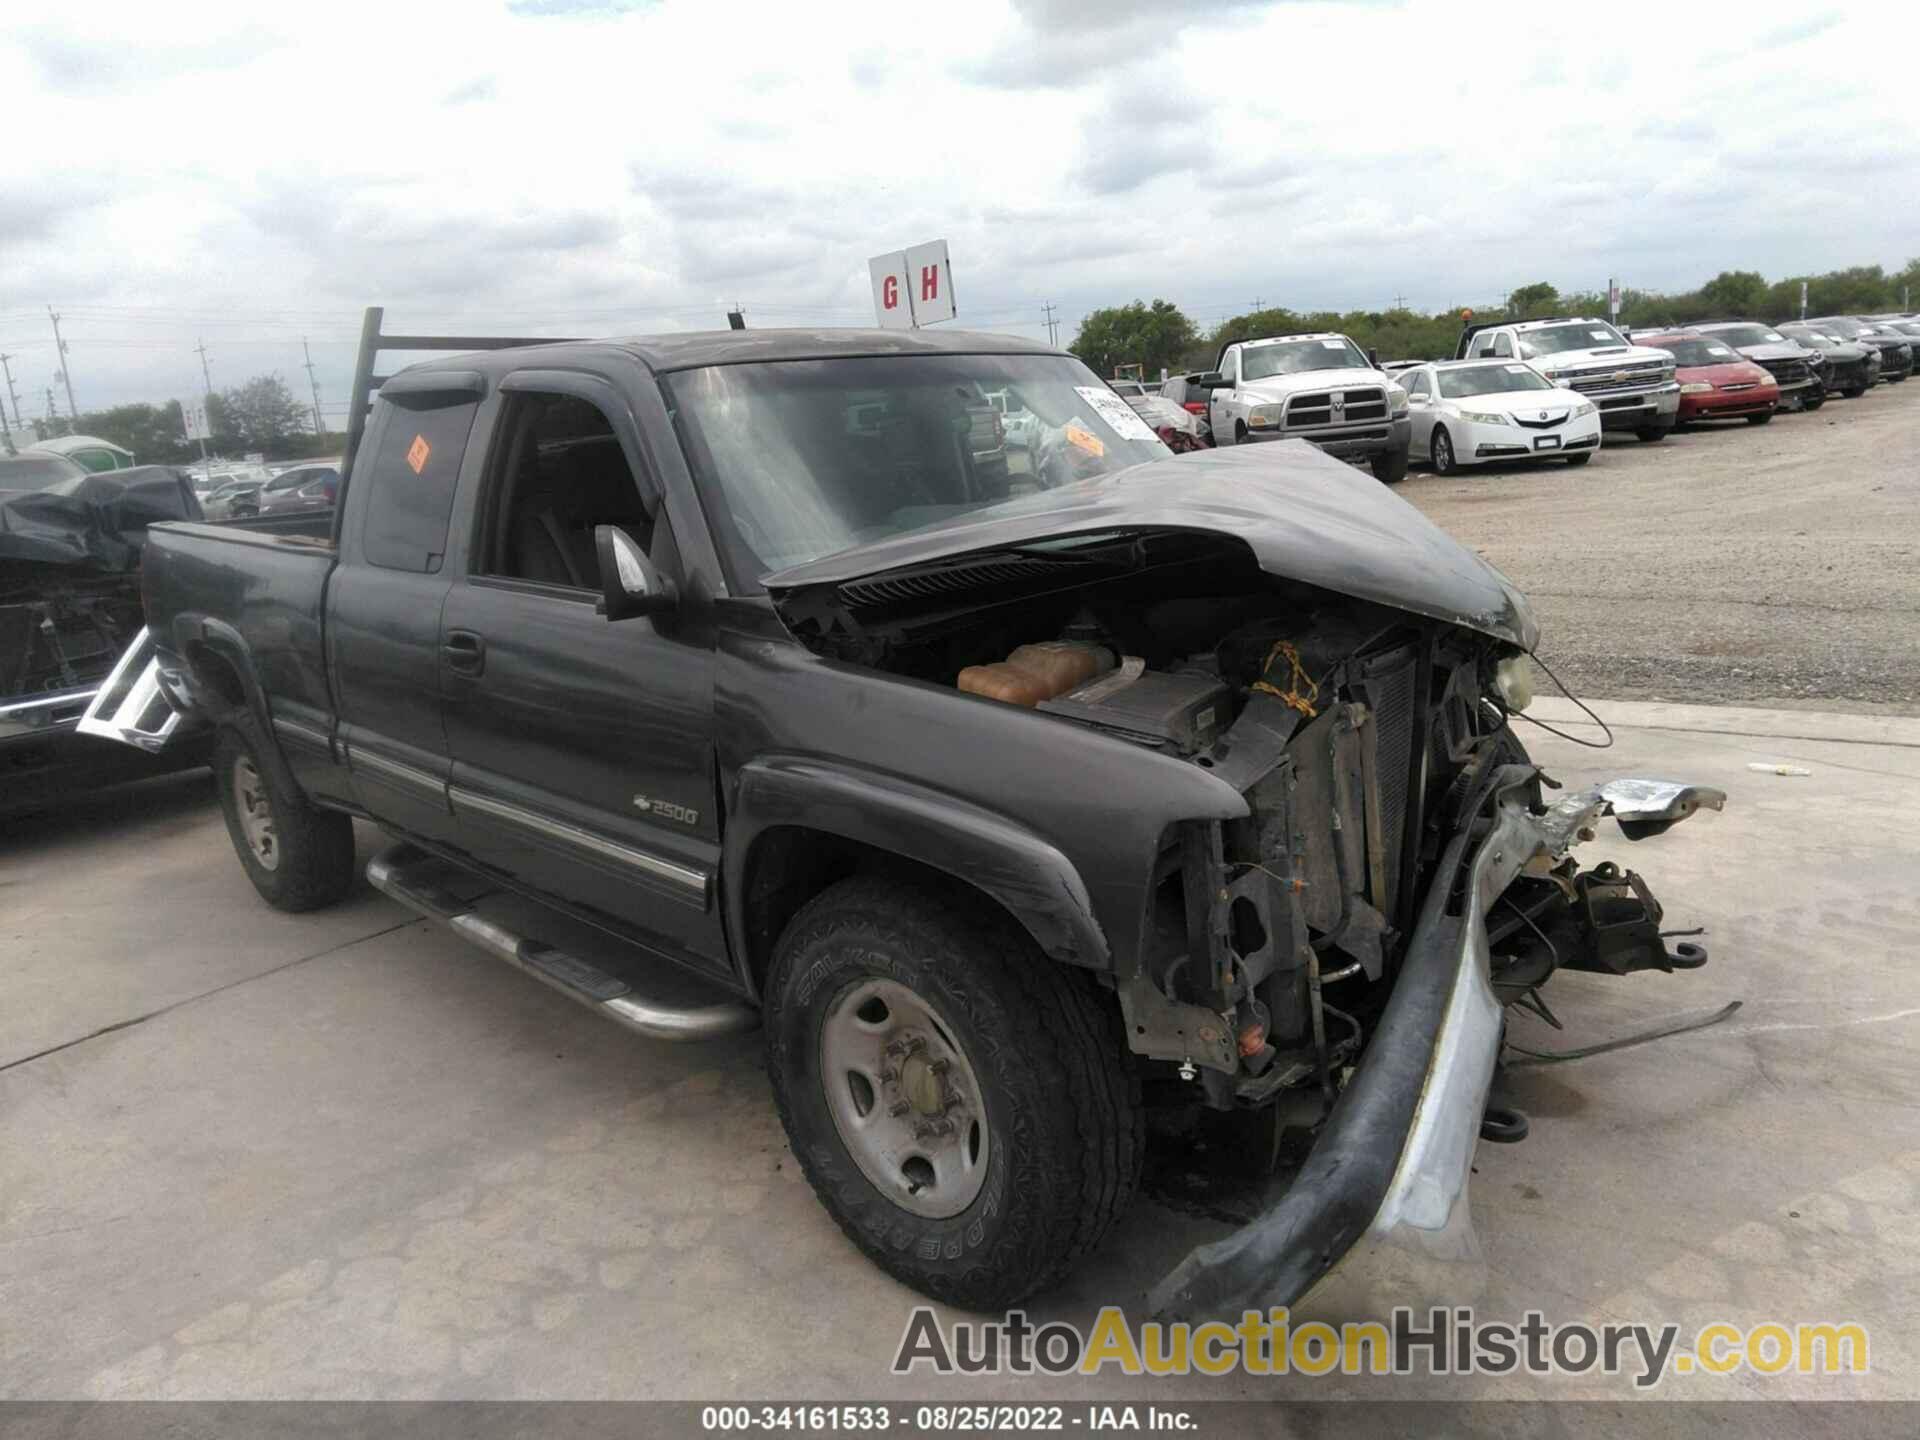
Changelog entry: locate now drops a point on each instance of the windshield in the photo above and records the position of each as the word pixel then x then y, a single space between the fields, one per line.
pixel 1580 335
pixel 1697 352
pixel 1489 380
pixel 798 459
pixel 1296 357
pixel 36 472
pixel 1846 329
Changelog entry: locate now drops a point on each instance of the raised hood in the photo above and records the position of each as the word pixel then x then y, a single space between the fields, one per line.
pixel 1304 515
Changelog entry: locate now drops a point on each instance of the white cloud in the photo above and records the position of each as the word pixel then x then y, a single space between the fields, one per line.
pixel 597 166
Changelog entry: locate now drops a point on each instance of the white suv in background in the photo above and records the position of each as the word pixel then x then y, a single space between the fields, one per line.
pixel 1633 386
pixel 1471 412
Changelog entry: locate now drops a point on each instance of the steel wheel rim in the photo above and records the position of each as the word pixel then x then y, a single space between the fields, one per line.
pixel 904 1098
pixel 256 814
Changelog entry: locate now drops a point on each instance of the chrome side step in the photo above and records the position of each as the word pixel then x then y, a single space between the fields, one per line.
pixel 428 887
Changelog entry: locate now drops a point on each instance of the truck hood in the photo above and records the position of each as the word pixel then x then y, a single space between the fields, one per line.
pixel 1279 387
pixel 1304 515
pixel 1599 357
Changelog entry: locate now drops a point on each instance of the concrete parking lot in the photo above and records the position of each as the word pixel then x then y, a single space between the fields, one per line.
pixel 1742 565
pixel 342 1154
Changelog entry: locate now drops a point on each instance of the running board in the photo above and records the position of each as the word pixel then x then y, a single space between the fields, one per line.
pixel 440 892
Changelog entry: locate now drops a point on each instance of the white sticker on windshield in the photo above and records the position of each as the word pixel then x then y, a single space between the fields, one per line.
pixel 1601 335
pixel 1516 369
pixel 1119 415
pixel 1718 350
pixel 1333 344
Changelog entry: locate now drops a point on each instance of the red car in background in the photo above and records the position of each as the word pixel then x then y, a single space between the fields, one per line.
pixel 1716 381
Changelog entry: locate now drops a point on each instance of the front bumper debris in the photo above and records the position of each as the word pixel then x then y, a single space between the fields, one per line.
pixel 1378 1215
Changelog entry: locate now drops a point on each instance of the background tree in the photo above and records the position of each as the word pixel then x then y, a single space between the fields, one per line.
pixel 1147 335
pixel 259 415
pixel 151 432
pixel 1539 298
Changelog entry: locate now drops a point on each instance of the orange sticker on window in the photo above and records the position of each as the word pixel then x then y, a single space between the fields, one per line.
pixel 418 452
pixel 1084 439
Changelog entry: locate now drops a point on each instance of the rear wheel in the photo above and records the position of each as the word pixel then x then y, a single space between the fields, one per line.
pixel 1391 468
pixel 1441 445
pixel 962 1105
pixel 1854 392
pixel 1653 434
pixel 1576 461
pixel 298 857
pixel 1813 404
pixel 1760 419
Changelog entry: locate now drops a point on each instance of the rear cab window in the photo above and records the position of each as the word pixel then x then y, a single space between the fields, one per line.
pixel 412 476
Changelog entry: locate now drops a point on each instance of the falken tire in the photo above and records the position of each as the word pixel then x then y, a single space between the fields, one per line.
pixel 1391 468
pixel 309 863
pixel 1064 1129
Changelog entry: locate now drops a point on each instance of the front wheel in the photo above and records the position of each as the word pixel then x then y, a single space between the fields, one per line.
pixel 1576 461
pixel 1441 445
pixel 1814 404
pixel 961 1104
pixel 1391 468
pixel 1854 392
pixel 1760 419
pixel 1653 434
pixel 298 857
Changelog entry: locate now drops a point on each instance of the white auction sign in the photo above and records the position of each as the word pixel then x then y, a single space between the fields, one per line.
pixel 195 421
pixel 913 287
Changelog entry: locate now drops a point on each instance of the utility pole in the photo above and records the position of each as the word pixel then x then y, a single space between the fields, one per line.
pixel 66 370
pixel 314 385
pixel 1053 328
pixel 15 394
pixel 206 374
pixel 1399 302
pixel 52 415
pixel 1258 304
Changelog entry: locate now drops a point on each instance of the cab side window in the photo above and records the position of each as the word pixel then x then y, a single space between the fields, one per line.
pixel 412 477
pixel 1417 385
pixel 557 473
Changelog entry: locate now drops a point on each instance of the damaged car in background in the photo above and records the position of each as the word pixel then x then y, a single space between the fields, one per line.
pixel 70 543
pixel 707 680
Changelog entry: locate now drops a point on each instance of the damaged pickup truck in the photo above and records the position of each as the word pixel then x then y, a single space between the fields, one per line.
pixel 69 605
pixel 707 679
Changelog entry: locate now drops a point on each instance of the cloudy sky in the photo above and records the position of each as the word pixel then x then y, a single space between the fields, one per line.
pixel 251 175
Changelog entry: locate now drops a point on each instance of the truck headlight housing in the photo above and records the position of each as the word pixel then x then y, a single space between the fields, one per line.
pixel 1584 408
pixel 1513 682
pixel 1397 398
pixel 1263 417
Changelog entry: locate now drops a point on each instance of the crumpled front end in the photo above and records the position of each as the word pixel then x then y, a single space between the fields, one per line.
pixel 1378 1215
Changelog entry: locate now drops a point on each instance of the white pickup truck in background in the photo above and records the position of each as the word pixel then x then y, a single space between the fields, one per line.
pixel 1319 387
pixel 1633 385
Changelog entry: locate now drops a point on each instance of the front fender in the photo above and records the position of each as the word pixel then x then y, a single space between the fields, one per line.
pixel 1037 884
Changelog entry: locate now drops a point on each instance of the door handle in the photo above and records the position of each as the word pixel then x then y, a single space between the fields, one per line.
pixel 464 651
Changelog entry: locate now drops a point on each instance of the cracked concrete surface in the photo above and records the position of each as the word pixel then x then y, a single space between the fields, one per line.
pixel 353 1157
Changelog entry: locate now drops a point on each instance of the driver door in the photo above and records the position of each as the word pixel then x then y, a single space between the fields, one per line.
pixel 1219 402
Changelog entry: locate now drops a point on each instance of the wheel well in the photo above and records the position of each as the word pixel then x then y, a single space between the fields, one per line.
pixel 790 864
pixel 219 678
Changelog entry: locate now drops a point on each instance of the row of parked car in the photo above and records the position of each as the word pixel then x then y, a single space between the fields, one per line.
pixel 1521 389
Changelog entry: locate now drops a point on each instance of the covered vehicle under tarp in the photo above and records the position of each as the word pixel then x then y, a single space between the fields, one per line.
pixel 96 522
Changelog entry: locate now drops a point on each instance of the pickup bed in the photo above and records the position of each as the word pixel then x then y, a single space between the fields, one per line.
pixel 719 679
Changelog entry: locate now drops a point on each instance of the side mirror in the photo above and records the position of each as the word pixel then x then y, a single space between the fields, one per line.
pixel 1213 380
pixel 629 583
pixel 1373 358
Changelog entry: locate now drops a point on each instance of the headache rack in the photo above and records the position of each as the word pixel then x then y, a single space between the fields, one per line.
pixel 367 380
